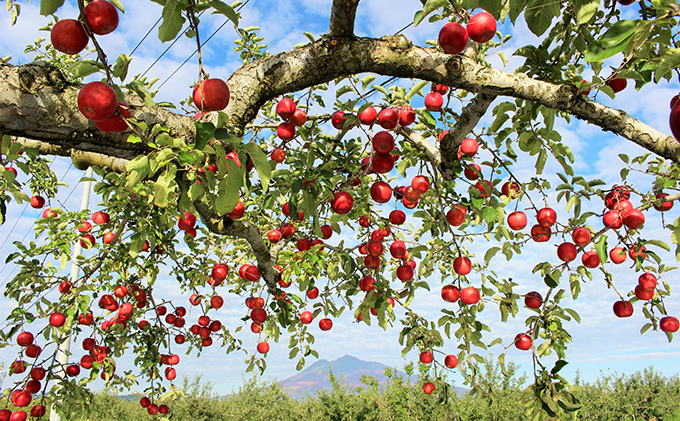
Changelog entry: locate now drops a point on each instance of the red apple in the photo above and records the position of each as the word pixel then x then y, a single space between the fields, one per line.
pixel 397 217
pixel 546 217
pixel 47 213
pixel 517 220
pixel 278 155
pixel 338 119
pixel 187 221
pixel 434 101
pixel 590 259
pixel 388 118
pixel 69 36
pixel 306 317
pixel 623 309
pixel 581 236
pixel 37 202
pixel 238 211
pixel 97 101
pixel 451 361
pixel 33 351
pixel 669 324
pixel 612 219
pixel 274 236
pixel 383 142
pixel 117 122
pixel 442 89
pixel 420 183
pixel 286 131
pixel 453 38
pixel 406 115
pixel 522 341
pixel 313 293
pixel 618 255
pixel 428 388
pixel 617 84
pixel 325 324
pixel 38 373
pixel 382 163
pixel 533 300
pixel 258 315
pixel 644 294
pixel 566 252
pixel 481 27
pixel 263 347
pixel 287 230
pixel 285 108
pixel 426 357
pixel 661 208
pixel 100 217
pixel 405 273
pixel 469 295
pixel 456 216
pixel 101 16
pixel 462 265
pixel 485 188
pixel 368 116
pixel 398 249
pixel 342 202
pixel 450 293
pixel 73 370
pixel 633 219
pixel 57 319
pixel 647 281
pixel 472 171
pixel 219 272
pixel 249 273
pixel 511 189
pixel 211 95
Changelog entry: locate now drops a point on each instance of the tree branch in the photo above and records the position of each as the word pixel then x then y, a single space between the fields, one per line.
pixel 343 14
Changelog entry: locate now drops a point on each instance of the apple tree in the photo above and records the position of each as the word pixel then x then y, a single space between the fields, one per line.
pixel 245 189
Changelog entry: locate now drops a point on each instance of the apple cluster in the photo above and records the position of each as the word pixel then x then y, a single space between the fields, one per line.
pixel 454 37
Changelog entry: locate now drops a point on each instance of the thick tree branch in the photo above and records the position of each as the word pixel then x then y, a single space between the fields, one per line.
pixel 465 123
pixel 81 159
pixel 342 18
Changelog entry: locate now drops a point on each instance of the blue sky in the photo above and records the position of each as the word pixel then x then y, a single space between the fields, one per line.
pixel 601 342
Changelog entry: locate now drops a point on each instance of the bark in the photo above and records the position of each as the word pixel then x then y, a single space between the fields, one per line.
pixel 342 18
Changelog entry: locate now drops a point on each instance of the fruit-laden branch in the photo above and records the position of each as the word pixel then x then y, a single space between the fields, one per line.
pixel 223 225
pixel 43 107
pixel 343 13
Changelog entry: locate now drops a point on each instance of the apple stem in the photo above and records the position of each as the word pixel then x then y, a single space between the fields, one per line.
pixel 100 52
pixel 193 23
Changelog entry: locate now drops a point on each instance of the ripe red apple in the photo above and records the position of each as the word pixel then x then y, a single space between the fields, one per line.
pixel 469 295
pixel 590 259
pixel 469 146
pixel 101 16
pixel 633 219
pixel 426 357
pixel 623 309
pixel 382 163
pixel 383 142
pixel 434 101
pixel 187 221
pixel 100 217
pixel 472 171
pixel 117 122
pixel 211 95
pixel 47 213
pixel 33 351
pixel 456 216
pixel 285 108
pixel 661 208
pixel 406 115
pixel 97 101
pixel 481 27
pixel 304 244
pixel 37 202
pixel 584 87
pixel 428 388
pixel 485 188
pixel 258 315
pixel 278 155
pixel 249 273
pixel 450 293
pixel 462 265
pixel 22 399
pixel 522 341
pixel 405 273
pixel 38 373
pixel 517 220
pixel 325 324
pixel 647 280
pixel 25 339
pixel 453 38
pixel 637 250
pixel 442 89
pixel 73 370
pixel 368 116
pixel 326 231
pixel 286 131
pixel 57 319
pixel 644 294
pixel 5 414
pixel 397 217
pixel 338 119
pixel 238 211
pixel 37 411
pixel 581 236
pixel 669 324
pixel 612 219
pixel 216 302
pixel 398 249
pixel 617 84
pixel 313 293
pixel 69 36
pixel 420 183
pixel 342 202
pixel 546 217
pixel 451 361
pixel 219 272
pixel 263 347
pixel 306 317
pixel 618 255
pixel 388 118
pixel 299 117
pixel 287 230
pixel 566 252
pixel 511 189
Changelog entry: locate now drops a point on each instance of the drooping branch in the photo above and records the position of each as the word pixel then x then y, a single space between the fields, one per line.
pixel 343 13
pixel 465 123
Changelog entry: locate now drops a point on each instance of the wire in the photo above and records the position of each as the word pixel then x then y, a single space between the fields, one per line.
pixel 144 38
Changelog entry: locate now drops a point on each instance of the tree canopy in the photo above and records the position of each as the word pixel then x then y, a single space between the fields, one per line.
pixel 307 209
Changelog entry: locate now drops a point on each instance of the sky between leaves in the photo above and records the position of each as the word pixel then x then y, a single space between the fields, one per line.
pixel 601 342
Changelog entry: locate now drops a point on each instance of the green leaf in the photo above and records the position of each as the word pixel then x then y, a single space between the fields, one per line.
pixel 118 5
pixel 309 36
pixel 343 90
pixel 540 161
pixel 573 314
pixel 417 18
pixel 225 10
pixel 173 21
pixel 658 243
pixel 120 69
pixel 670 62
pixel 433 5
pixel 83 68
pixel 229 189
pixel 490 253
pixel 539 15
pixel 261 163
pixel 612 42
pixel 366 80
pixel 601 248
pixel 585 10
pixel 550 281
pixel 416 89
pixel 47 7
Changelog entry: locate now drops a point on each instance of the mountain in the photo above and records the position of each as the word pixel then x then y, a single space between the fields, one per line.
pixel 348 368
